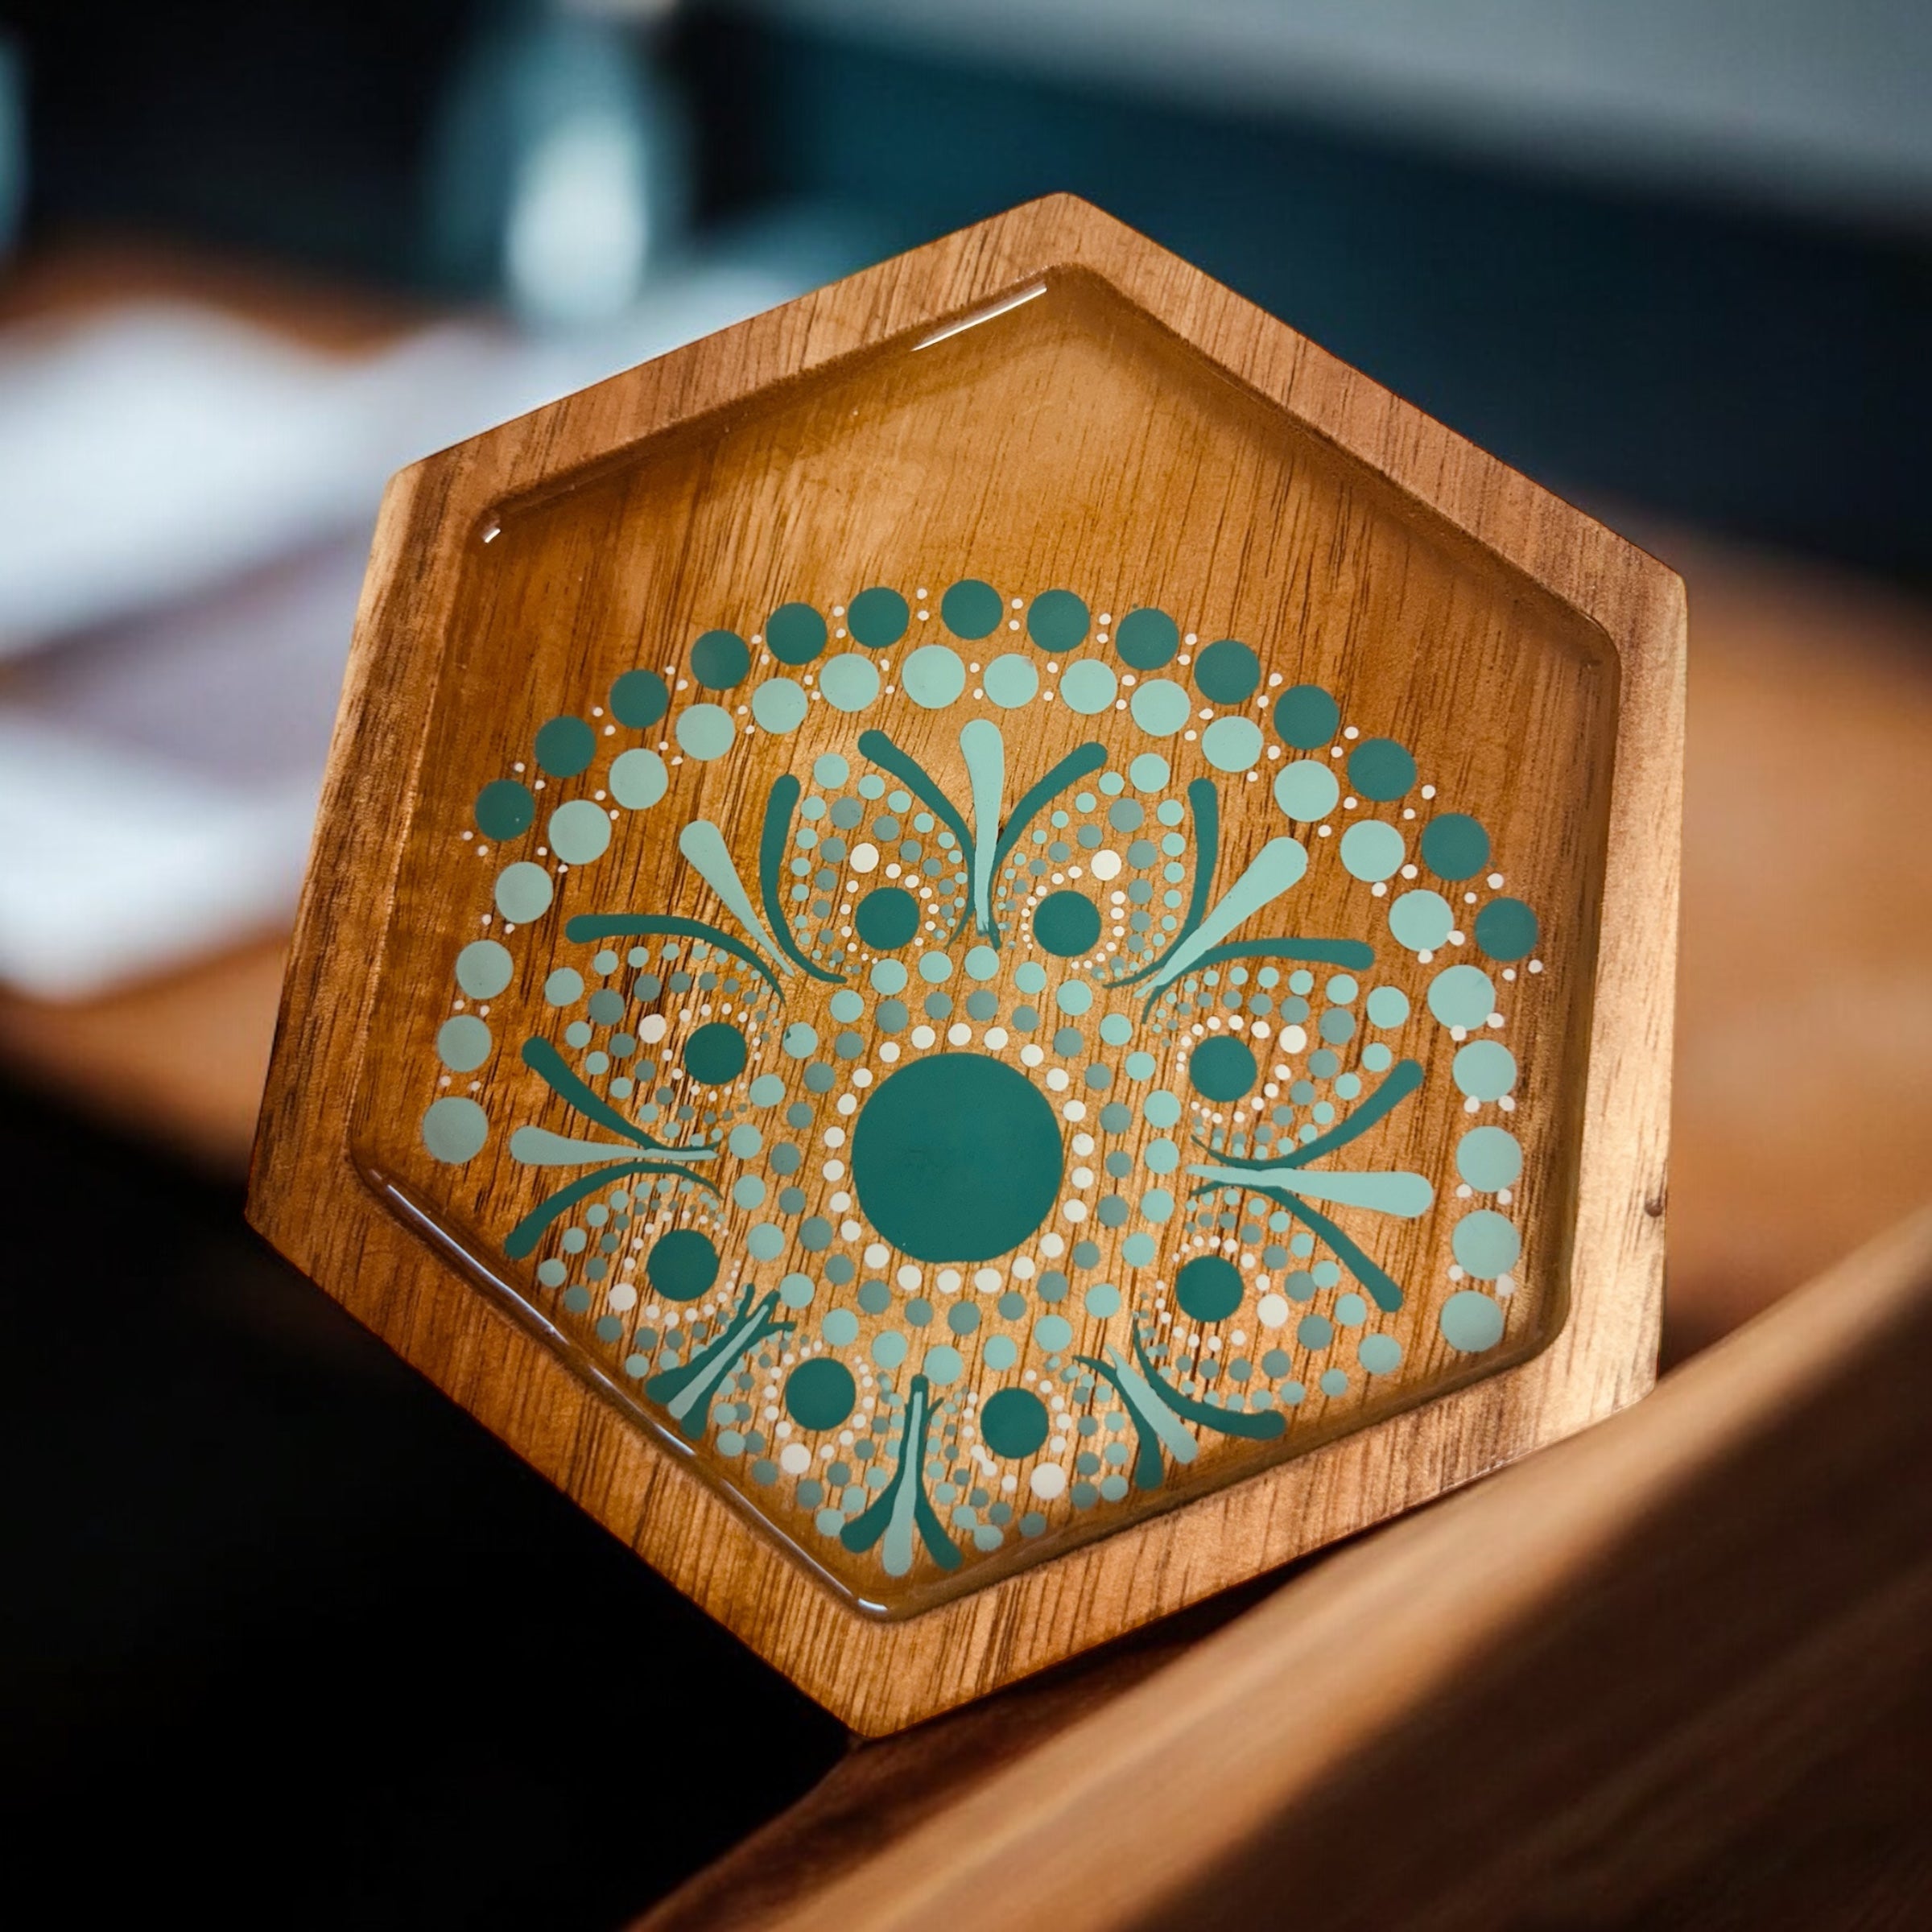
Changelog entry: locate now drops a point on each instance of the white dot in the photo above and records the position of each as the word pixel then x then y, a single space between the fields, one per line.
pixel 864 856
pixel 908 1278
pixel 1048 1480
pixel 795 1459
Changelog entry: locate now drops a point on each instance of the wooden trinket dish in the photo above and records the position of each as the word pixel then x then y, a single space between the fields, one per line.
pixel 989 953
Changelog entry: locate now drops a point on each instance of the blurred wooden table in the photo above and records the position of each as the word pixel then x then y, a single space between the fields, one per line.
pixel 1804 1081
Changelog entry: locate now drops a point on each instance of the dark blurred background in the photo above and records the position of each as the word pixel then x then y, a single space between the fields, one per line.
pixel 287 1636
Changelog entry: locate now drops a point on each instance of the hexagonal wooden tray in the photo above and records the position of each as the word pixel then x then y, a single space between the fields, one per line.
pixel 989 953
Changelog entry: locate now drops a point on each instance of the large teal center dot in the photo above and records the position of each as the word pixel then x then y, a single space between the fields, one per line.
pixel 956 1158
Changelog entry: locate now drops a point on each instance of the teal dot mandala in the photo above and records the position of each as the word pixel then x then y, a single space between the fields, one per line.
pixel 969 1062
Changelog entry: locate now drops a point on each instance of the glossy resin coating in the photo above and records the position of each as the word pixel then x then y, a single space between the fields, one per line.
pixel 995 939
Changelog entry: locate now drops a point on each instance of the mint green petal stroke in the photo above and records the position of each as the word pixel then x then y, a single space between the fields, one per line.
pixel 1277 866
pixel 1260 1426
pixel 903 1503
pixel 1075 766
pixel 1383 1290
pixel 538 1147
pixel 702 844
pixel 542 1058
pixel 588 926
pixel 984 751
pixel 1391 1191
pixel 779 804
pixel 685 1394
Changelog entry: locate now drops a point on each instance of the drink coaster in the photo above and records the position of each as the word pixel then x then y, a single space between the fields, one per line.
pixel 989 953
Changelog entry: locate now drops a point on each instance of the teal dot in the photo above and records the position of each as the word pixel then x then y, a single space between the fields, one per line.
pixel 1462 996
pixel 1102 1300
pixel 1471 1322
pixel 877 617
pixel 578 832
pixel 1378 1354
pixel 551 1273
pixel 504 808
pixel 1315 1332
pixel 1489 1159
pixel 682 1265
pixel 887 917
pixel 454 1130
pixel 849 682
pixel 778 705
pixel 794 633
pixel 942 1366
pixel 1422 920
pixel 1067 924
pixel 1307 717
pixel 1208 1288
pixel 483 968
pixel 463 1043
pixel 1506 929
pixel 957 1157
pixel 716 1053
pixel 1074 998
pixel 971 609
pixel 1088 687
pixel 982 963
pixel 1149 771
pixel 767 1090
pixel 1057 620
pixel 1222 1069
pixel 831 770
pixel 1232 743
pixel 639 698
pixel 1011 681
pixel 1306 790
pixel 1013 1422
pixel 1388 1006
pixel 1380 769
pixel 720 659
pixel 933 676
pixel 1160 706
pixel 1163 1108
pixel 820 1393
pixel 1371 850
pixel 1455 846
pixel 705 732
pixel 1334 1382
pixel 1228 672
pixel 638 778
pixel 1487 1243
pixel 565 746
pixel 1053 1333
pixel 523 891
pixel 1147 639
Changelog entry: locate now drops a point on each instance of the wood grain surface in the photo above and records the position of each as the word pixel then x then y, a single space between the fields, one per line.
pixel 1673 1673
pixel 310 1203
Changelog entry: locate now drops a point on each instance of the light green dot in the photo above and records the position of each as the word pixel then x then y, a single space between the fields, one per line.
pixel 1376 1056
pixel 1001 1353
pixel 705 732
pixel 1388 1006
pixel 765 1242
pixel 483 968
pixel 1088 687
pixel 1162 1108
pixel 1030 977
pixel 767 1090
pixel 564 987
pixel 799 1040
pixel 1159 707
pixel 1157 1205
pixel 1149 771
pixel 1371 850
pixel 1489 1159
pixel 849 682
pixel 1116 1030
pixel 1103 1301
pixel 1138 1250
pixel 934 968
pixel 1232 743
pixel 779 705
pixel 1075 997
pixel 463 1043
pixel 1140 1066
pixel 889 1349
pixel 579 832
pixel 1378 1354
pixel 1011 681
pixel 1487 1243
pixel 638 778
pixel 888 976
pixel 748 1191
pixel 933 676
pixel 454 1130
pixel 523 891
pixel 847 1005
pixel 831 770
pixel 1053 1333
pixel 982 963
pixel 1422 920
pixel 796 1290
pixel 1162 1156
pixel 942 1366
pixel 1462 996
pixel 1471 1322
pixel 1307 789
